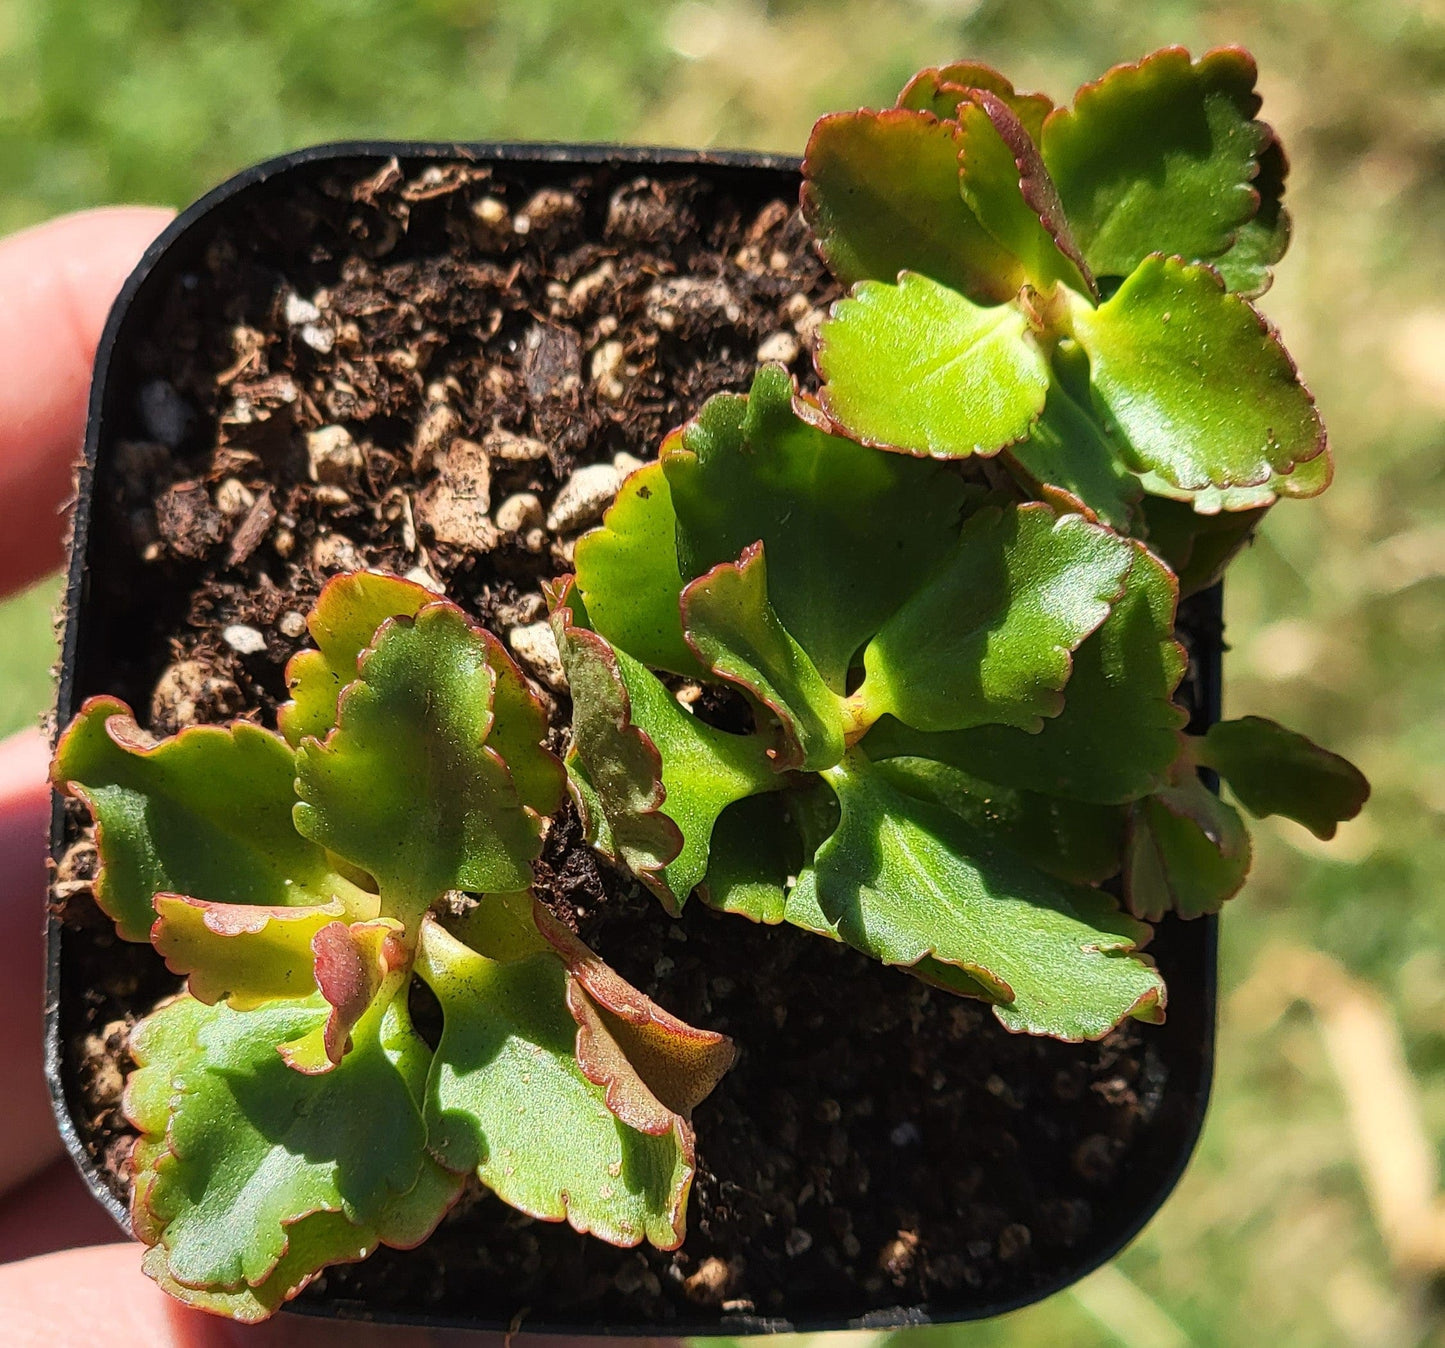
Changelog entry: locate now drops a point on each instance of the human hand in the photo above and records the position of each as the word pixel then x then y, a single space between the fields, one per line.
pixel 57 282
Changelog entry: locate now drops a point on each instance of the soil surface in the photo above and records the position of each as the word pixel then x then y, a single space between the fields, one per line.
pixel 405 366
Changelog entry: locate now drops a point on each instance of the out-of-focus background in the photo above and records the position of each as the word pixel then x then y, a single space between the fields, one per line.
pixel 1305 1218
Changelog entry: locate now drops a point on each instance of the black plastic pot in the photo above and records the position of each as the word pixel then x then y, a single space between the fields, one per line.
pixel 95 632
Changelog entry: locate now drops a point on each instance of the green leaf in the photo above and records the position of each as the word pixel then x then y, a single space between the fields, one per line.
pixel 628 576
pixel 252 1150
pixel 206 813
pixel 1304 480
pixel 1187 852
pixel 848 532
pixel 755 858
pixel 634 749
pixel 1159 156
pixel 1071 840
pixel 1008 188
pixel 920 368
pixel 903 879
pixel 507 1099
pixel 1119 730
pixel 1067 451
pixel 880 192
pixel 737 636
pixel 407 786
pixel 1196 381
pixel 988 639
pixel 940 89
pixel 342 623
pixel 1272 770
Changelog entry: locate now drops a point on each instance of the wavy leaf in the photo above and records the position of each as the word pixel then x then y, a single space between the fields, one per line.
pixel 920 368
pixel 1198 547
pixel 1264 238
pixel 1187 852
pixel 634 750
pixel 1008 188
pixel 628 576
pixel 252 1152
pixel 988 639
pixel 206 813
pixel 1196 381
pixel 407 785
pixel 342 623
pixel 1119 730
pixel 506 1085
pixel 1159 156
pixel 848 532
pixel 940 89
pixel 903 879
pixel 737 636
pixel 1272 770
pixel 881 194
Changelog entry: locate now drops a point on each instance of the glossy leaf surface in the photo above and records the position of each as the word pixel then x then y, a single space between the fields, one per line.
pixel 1196 382
pixel 918 367
pixel 881 193
pixel 1159 156
pixel 848 532
pixel 206 813
pixel 988 639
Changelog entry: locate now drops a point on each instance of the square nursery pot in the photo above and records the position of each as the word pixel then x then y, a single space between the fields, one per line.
pixel 882 1154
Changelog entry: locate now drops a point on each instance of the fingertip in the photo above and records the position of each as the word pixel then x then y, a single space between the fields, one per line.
pixel 59 280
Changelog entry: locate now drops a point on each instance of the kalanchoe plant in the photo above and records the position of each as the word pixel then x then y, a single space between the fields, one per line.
pixel 290 1115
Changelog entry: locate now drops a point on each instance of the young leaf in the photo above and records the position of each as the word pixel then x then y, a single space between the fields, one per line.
pixel 1196 381
pixel 848 532
pixel 880 192
pixel 1159 156
pixel 941 89
pixel 205 813
pixel 635 749
pixel 1186 852
pixel 1119 730
pixel 252 1149
pixel 406 786
pixel 506 1085
pixel 1068 451
pixel 342 623
pixel 627 574
pixel 1071 840
pixel 1272 770
pixel 988 639
pixel 1010 191
pixel 902 879
pixel 737 636
pixel 1198 547
pixel 920 368
pixel 654 1068
pixel 240 953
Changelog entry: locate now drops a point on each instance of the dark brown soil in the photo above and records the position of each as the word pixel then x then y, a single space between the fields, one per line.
pixel 477 335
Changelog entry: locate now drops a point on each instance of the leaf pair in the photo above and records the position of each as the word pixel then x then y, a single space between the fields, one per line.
pixel 1056 282
pixel 289 1115
pixel 866 614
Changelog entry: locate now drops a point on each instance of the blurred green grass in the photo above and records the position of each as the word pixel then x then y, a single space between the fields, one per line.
pixel 1337 616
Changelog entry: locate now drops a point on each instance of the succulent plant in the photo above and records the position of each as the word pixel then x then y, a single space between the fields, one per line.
pixel 290 1114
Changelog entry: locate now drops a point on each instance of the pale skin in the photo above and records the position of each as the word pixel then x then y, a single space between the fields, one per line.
pixel 66 1274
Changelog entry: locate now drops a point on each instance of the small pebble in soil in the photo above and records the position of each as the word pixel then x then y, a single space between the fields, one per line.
pixel 708 1285
pixel 190 691
pixel 299 311
pixel 536 647
pixel 781 347
pixel 906 1134
pixel 164 413
pixel 798 1241
pixel 291 624
pixel 583 497
pixel 333 456
pixel 520 512
pixel 243 639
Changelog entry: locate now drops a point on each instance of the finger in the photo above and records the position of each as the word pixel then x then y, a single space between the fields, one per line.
pixel 28 1137
pixel 53 1211
pixel 58 281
